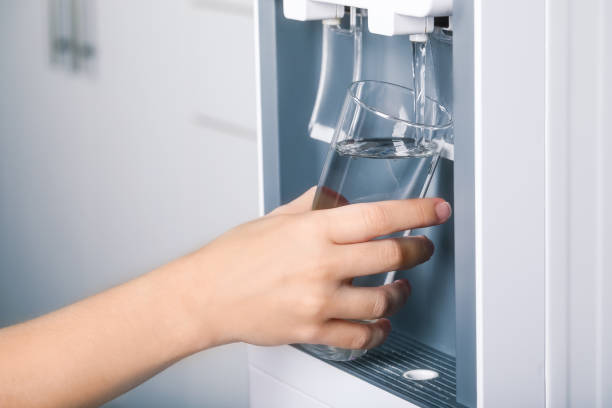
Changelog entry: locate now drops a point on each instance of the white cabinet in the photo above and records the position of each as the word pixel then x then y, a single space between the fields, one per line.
pixel 108 173
pixel 266 391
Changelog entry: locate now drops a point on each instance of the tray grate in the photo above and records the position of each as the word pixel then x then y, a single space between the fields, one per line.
pixel 385 366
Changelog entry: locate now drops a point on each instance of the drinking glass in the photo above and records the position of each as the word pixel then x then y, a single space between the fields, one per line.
pixel 380 152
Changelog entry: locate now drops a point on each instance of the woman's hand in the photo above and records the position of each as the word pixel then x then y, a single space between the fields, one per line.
pixel 286 278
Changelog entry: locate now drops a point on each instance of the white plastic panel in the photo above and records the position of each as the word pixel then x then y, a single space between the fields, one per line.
pixel 304 10
pixel 385 22
pixel 320 380
pixel 414 8
pixel 509 155
pixel 422 8
pixel 236 7
pixel 266 391
pixel 579 315
pixel 386 17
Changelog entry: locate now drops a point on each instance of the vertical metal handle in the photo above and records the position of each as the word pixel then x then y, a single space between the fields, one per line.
pixel 75 35
pixel 70 37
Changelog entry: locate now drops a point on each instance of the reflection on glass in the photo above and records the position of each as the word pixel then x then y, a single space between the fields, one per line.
pixel 340 65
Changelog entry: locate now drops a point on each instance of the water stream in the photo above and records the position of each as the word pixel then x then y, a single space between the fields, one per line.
pixel 419 65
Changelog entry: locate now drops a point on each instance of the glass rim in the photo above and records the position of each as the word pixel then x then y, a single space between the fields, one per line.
pixel 351 91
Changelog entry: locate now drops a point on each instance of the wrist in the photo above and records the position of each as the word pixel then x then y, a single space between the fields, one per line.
pixel 182 300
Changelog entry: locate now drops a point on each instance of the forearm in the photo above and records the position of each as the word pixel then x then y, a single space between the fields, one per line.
pixel 96 349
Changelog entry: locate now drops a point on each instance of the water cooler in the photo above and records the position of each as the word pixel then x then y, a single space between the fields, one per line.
pixel 479 317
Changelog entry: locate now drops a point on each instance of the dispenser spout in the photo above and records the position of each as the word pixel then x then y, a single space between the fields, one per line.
pixel 419 37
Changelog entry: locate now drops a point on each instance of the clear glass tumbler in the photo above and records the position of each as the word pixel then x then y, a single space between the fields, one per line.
pixel 380 152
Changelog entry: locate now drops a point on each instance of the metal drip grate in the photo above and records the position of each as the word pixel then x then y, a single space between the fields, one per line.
pixel 385 366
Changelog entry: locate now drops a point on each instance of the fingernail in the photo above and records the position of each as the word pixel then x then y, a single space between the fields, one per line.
pixel 385 328
pixel 407 285
pixel 387 324
pixel 443 211
pixel 430 245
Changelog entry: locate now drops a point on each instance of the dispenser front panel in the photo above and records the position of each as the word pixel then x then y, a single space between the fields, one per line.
pixel 424 335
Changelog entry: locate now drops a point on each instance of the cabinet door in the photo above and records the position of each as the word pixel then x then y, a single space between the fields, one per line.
pixel 266 391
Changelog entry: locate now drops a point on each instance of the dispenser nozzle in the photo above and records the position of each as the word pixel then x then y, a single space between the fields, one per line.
pixel 419 37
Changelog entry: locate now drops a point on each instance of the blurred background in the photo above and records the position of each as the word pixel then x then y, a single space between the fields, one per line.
pixel 127 138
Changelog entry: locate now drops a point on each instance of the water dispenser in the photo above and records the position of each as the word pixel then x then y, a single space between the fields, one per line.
pixel 320 48
pixel 510 311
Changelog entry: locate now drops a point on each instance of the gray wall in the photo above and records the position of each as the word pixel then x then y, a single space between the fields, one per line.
pixel 107 173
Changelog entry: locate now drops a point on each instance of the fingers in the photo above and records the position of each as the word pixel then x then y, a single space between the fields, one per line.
pixel 363 222
pixel 383 255
pixel 301 204
pixel 352 335
pixel 364 303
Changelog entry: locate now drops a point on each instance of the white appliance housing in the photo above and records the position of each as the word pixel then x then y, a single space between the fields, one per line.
pixel 532 188
pixel 386 17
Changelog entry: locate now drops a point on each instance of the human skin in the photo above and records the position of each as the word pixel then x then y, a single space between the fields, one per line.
pixel 284 278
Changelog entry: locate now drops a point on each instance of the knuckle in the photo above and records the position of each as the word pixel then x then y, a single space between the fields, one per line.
pixel 392 253
pixel 382 304
pixel 421 212
pixel 323 263
pixel 375 217
pixel 318 225
pixel 305 225
pixel 361 339
pixel 319 219
pixel 314 306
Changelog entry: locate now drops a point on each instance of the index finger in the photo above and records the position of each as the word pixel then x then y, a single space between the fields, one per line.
pixel 363 222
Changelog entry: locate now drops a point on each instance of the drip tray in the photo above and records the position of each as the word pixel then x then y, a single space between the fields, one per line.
pixel 408 369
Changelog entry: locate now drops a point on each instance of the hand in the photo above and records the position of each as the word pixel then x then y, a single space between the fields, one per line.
pixel 286 278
